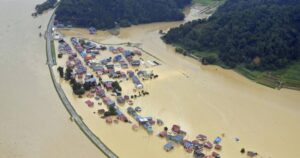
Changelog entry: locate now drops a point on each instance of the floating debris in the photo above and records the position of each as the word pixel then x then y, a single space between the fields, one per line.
pixel 108 120
pixel 252 153
pixel 135 127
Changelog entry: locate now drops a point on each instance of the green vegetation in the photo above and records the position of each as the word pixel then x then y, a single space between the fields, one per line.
pixel 106 14
pixel 288 77
pixel 116 86
pixel 258 38
pixel 53 52
pixel 49 4
pixel 78 88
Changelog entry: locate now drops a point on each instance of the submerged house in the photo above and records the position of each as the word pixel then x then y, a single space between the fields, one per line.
pixel 145 74
pixel 120 49
pixel 98 68
pixel 92 80
pixel 92 30
pixel 198 154
pixel 188 145
pixel 124 65
pixel 120 100
pixel 80 69
pixel 107 101
pixel 100 92
pixel 108 85
pixel 89 45
pixel 137 82
pixel 144 121
pixel 110 66
pixel 137 52
pixel 136 63
pixel 176 128
pixel 89 103
pixel 130 73
pixel 177 138
pixel 117 58
pixel 169 146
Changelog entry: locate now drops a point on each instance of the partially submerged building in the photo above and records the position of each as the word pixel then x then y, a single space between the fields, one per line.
pixel 138 84
pixel 107 101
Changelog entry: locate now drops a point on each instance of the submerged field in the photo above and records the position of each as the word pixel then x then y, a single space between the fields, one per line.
pixel 284 78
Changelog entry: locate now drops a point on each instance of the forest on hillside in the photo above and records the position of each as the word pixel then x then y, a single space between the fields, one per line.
pixel 106 14
pixel 258 34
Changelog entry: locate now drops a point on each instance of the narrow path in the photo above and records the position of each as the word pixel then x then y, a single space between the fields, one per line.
pixel 74 116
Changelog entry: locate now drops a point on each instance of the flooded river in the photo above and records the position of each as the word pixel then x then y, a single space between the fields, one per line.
pixel 34 123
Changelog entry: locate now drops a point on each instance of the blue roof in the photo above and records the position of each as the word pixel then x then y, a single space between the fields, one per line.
pixel 177 138
pixel 118 58
pixel 218 140
pixel 136 80
pixel 83 53
pixel 168 146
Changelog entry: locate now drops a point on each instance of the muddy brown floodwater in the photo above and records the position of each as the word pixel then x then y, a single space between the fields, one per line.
pixel 34 123
pixel 202 99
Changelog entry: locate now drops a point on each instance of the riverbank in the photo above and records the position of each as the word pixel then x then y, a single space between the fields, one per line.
pixel 277 79
pixel 204 99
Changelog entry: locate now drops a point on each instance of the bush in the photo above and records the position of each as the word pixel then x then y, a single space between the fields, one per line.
pixel 209 60
pixel 179 50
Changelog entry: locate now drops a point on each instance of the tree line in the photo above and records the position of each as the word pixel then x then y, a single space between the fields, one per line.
pixel 48 4
pixel 105 14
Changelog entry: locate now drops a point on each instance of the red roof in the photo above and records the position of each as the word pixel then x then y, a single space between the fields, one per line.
pixel 89 103
pixel 176 128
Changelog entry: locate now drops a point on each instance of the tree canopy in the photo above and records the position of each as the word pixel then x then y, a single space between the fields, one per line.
pixel 259 34
pixel 104 14
pixel 48 4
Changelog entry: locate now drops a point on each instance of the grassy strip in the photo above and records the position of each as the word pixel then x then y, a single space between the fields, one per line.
pixel 291 76
pixel 288 77
pixel 53 52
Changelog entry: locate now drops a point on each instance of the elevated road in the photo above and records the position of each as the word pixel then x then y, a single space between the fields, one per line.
pixel 74 116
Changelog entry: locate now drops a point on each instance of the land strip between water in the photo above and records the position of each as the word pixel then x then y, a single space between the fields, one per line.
pixel 74 115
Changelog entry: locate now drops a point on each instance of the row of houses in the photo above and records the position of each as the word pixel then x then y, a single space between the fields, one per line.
pixel 146 122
